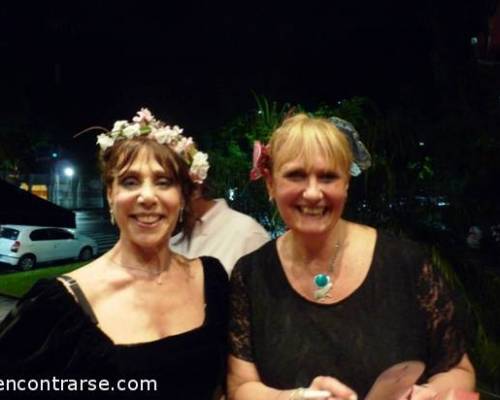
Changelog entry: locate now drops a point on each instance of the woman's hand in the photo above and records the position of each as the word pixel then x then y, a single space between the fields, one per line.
pixel 244 383
pixel 338 390
pixel 425 392
pixel 418 392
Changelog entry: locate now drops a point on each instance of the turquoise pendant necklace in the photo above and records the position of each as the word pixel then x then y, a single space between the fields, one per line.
pixel 323 282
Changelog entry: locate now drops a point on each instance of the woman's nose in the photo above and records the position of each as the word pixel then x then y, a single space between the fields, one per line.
pixel 147 194
pixel 313 191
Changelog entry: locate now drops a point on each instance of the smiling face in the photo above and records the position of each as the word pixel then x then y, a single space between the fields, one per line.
pixel 310 196
pixel 146 201
pixel 310 174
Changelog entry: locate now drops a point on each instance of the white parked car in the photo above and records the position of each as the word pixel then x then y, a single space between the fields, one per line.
pixel 25 246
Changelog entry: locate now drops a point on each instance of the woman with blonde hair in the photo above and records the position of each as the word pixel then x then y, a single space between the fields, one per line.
pixel 139 313
pixel 321 311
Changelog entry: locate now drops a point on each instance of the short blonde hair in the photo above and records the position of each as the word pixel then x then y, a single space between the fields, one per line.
pixel 306 137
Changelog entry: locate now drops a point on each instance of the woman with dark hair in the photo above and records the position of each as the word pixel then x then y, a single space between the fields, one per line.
pixel 139 311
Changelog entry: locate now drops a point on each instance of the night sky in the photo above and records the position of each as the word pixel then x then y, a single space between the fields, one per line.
pixel 72 65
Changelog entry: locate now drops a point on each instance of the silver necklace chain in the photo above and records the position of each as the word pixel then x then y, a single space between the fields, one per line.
pixel 156 274
pixel 323 281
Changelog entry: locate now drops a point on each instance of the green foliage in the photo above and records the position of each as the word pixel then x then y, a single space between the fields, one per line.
pixel 266 119
pixel 18 283
pixel 231 157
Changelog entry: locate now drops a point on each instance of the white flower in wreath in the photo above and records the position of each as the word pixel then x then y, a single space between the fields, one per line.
pixel 131 131
pixel 199 167
pixel 182 145
pixel 177 129
pixel 117 127
pixel 105 141
pixel 161 135
pixel 171 134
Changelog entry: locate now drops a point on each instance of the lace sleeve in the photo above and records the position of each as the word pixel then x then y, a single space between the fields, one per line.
pixel 445 332
pixel 239 322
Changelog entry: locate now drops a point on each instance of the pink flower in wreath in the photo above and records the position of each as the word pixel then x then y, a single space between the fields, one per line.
pixel 144 115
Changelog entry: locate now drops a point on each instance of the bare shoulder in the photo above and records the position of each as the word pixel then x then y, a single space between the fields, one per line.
pixel 361 241
pixel 359 234
pixel 93 277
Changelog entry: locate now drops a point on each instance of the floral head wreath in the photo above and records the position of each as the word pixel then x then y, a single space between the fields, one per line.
pixel 145 124
pixel 362 160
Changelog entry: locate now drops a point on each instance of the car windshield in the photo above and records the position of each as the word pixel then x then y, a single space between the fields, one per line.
pixel 9 233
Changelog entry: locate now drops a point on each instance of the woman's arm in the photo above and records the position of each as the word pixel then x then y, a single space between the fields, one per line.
pixel 461 376
pixel 446 385
pixel 244 383
pixel 449 366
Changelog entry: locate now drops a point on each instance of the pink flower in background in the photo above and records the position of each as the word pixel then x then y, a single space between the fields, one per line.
pixel 261 161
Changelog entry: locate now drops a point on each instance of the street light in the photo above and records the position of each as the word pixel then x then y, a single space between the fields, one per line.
pixel 69 172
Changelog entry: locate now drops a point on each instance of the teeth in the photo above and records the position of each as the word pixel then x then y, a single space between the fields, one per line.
pixel 148 219
pixel 312 210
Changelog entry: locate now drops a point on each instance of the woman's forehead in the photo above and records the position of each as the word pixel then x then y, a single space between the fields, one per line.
pixel 144 160
pixel 320 162
pixel 307 159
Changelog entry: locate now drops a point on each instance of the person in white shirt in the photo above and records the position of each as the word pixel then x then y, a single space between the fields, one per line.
pixel 220 232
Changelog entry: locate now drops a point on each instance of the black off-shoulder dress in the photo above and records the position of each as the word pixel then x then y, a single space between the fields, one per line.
pixel 49 334
pixel 402 311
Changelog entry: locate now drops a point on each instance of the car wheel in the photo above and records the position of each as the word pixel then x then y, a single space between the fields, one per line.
pixel 27 262
pixel 86 254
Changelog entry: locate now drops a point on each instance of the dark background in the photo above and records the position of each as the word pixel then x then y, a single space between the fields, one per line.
pixel 68 66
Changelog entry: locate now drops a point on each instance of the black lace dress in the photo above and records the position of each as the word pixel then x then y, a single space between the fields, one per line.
pixel 402 311
pixel 50 334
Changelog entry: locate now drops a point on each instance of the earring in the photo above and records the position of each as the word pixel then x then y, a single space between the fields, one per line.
pixel 111 217
pixel 180 215
pixel 270 199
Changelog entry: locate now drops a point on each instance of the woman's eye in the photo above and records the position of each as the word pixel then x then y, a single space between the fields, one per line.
pixel 129 182
pixel 329 177
pixel 166 182
pixel 295 176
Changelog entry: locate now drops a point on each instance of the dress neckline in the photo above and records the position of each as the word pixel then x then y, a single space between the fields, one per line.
pixel 93 322
pixel 354 293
